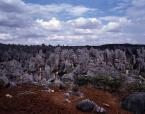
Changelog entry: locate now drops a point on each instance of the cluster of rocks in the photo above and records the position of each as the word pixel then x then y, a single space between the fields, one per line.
pixel 90 106
pixel 73 91
pixel 44 64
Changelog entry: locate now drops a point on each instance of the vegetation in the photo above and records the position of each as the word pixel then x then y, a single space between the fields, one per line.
pixel 136 87
pixel 102 81
pixel 82 80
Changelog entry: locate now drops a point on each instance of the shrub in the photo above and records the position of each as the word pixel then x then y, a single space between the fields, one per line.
pixel 136 87
pixel 82 80
pixel 114 84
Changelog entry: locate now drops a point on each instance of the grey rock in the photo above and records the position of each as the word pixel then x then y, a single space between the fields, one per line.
pixel 58 84
pixel 100 110
pixel 134 103
pixel 85 105
pixel 68 77
pixel 3 81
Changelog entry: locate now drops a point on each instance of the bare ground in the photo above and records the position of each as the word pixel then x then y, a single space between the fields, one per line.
pixel 32 100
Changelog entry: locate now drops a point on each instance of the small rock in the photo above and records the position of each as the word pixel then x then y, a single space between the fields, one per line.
pixel 48 90
pixel 8 96
pixel 67 100
pixel 100 110
pixel 106 105
pixel 66 95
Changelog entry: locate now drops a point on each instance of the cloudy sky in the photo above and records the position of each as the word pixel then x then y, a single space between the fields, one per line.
pixel 72 22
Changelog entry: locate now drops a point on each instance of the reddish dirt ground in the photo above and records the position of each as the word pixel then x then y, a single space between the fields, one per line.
pixel 42 102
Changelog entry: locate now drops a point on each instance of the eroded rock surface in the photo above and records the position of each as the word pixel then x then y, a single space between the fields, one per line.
pixel 40 64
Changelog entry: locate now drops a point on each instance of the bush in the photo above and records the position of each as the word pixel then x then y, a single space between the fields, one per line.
pixel 136 87
pixel 114 84
pixel 103 81
pixel 82 80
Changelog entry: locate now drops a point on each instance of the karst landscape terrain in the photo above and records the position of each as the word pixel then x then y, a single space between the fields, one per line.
pixel 72 57
pixel 45 79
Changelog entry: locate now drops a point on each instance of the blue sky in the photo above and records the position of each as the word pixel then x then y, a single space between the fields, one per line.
pixel 72 22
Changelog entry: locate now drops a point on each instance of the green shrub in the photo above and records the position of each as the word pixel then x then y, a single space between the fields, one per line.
pixel 114 84
pixel 106 81
pixel 82 80
pixel 136 87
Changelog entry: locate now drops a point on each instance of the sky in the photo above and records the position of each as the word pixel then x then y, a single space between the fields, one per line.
pixel 72 22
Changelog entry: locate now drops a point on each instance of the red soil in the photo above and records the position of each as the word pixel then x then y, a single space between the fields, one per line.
pixel 53 103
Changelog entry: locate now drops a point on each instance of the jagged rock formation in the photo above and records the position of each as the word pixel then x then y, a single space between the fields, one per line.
pixel 43 64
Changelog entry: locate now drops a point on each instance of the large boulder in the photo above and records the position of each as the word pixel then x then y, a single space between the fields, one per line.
pixel 134 103
pixel 85 105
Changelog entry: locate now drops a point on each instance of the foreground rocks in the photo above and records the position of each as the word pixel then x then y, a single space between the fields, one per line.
pixel 89 106
pixel 35 100
pixel 134 103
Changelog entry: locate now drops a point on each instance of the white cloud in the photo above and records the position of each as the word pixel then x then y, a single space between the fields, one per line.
pixel 4 36
pixel 85 22
pixel 111 26
pixel 116 24
pixel 52 24
pixel 113 18
pixel 79 10
pixel 27 23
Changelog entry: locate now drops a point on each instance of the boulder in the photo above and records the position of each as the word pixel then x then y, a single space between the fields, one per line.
pixel 68 77
pixel 45 84
pixel 4 81
pixel 59 84
pixel 85 105
pixel 134 103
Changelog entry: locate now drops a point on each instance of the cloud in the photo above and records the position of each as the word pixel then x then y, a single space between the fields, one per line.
pixel 52 24
pixel 121 6
pixel 47 11
pixel 85 22
pixel 79 10
pixel 4 36
pixel 137 9
pixel 67 24
pixel 12 6
pixel 115 23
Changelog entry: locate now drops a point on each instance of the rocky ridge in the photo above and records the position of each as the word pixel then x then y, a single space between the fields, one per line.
pixel 43 64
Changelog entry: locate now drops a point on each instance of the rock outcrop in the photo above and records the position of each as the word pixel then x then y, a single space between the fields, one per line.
pixel 37 64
